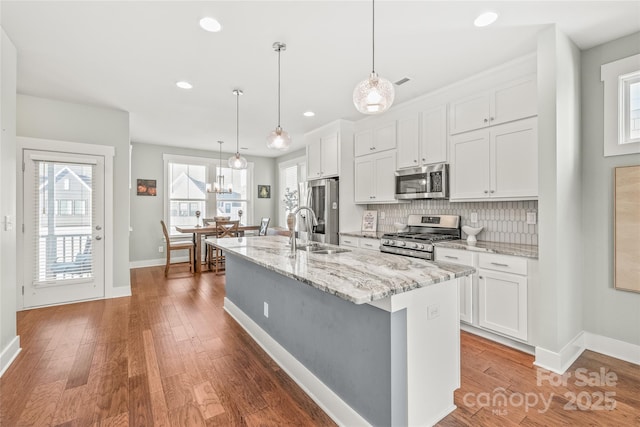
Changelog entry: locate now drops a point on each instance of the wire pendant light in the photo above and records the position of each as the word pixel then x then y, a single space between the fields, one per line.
pixel 375 94
pixel 218 185
pixel 279 139
pixel 237 161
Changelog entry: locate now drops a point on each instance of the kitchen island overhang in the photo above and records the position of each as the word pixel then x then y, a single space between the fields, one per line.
pixel 380 349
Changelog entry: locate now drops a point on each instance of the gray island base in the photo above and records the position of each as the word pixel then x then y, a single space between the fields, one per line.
pixel 391 361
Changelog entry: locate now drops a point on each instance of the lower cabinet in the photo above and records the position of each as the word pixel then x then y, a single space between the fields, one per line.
pixel 502 305
pixel 360 242
pixel 496 297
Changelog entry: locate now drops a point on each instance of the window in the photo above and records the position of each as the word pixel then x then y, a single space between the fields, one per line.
pixel 66 207
pixel 291 174
pixel 79 207
pixel 237 203
pixel 188 182
pixel 621 106
pixel 629 108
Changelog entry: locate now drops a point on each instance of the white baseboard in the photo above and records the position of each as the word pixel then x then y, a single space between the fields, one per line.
pixel 330 402
pixel 613 347
pixel 9 354
pixel 157 261
pixel 121 291
pixel 559 362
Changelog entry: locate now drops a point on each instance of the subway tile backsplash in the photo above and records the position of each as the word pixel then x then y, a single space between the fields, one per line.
pixel 504 222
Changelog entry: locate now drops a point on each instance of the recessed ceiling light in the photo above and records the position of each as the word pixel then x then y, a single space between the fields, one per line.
pixel 210 24
pixel 308 114
pixel 486 18
pixel 184 85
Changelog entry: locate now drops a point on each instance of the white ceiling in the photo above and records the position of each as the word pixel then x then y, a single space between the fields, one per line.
pixel 129 54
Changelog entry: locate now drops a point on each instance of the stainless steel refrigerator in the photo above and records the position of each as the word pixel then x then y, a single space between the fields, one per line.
pixel 321 195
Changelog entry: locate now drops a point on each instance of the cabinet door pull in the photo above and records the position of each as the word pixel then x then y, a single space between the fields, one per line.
pixel 480 277
pixel 499 264
pixel 451 257
pixel 492 191
pixel 486 191
pixel 424 160
pixel 415 161
pixel 492 118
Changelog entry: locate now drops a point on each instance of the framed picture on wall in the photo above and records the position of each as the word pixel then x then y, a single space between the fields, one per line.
pixel 264 191
pixel 146 187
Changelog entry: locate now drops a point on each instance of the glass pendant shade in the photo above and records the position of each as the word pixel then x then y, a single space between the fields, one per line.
pixel 237 162
pixel 279 140
pixel 373 95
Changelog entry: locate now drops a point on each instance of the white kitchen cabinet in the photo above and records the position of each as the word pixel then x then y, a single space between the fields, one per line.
pixel 466 284
pixel 512 101
pixel 497 163
pixel 502 302
pixel 360 242
pixel 375 179
pixel 420 145
pixel 381 137
pixel 323 157
pixel 369 243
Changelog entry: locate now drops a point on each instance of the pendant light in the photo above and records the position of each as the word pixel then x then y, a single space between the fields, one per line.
pixel 375 94
pixel 237 161
pixel 218 185
pixel 279 139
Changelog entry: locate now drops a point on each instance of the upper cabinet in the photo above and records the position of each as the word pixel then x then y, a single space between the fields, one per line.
pixel 375 179
pixel 426 144
pixel 381 137
pixel 323 154
pixel 512 101
pixel 496 163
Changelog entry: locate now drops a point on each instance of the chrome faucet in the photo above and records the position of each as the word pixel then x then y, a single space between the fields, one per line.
pixel 292 224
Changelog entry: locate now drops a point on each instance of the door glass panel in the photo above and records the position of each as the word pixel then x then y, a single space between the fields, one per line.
pixel 64 202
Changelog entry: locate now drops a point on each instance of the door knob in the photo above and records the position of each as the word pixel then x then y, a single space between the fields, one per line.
pixel 98 228
pixel 98 237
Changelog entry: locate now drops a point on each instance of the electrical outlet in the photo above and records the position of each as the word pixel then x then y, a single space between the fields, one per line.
pixel 266 309
pixel 474 217
pixel 160 248
pixel 531 218
pixel 433 311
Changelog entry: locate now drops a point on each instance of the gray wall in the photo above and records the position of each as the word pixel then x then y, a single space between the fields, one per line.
pixel 607 312
pixel 8 163
pixel 558 295
pixel 65 121
pixel 347 346
pixel 146 212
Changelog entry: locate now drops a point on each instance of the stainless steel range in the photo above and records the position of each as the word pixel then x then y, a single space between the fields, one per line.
pixel 423 231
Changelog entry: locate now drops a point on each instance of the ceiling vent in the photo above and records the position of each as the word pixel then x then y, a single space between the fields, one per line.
pixel 402 81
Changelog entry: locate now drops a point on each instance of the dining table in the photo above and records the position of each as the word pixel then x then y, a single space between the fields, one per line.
pixel 199 231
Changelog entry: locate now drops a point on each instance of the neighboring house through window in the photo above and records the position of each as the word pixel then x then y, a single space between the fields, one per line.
pixel 188 182
pixel 292 172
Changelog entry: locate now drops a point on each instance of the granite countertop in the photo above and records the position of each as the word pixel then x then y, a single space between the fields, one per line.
pixel 515 249
pixel 376 235
pixel 359 276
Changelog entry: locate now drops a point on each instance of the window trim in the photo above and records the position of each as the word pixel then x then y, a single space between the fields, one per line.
pixel 612 75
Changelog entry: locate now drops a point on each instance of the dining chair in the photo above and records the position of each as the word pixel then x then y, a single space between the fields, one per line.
pixel 216 256
pixel 264 224
pixel 176 246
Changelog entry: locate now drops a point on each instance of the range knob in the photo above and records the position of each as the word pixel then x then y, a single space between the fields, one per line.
pixel 387 242
pixel 402 243
pixel 414 245
pixel 421 247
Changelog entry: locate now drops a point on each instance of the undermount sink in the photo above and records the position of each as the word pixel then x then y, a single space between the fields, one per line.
pixel 317 248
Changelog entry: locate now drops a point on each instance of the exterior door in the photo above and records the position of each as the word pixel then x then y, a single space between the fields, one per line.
pixel 63 228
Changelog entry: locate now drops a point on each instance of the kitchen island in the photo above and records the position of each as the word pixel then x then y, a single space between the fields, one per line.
pixel 373 338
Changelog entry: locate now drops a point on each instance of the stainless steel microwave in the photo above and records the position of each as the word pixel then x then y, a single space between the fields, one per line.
pixel 426 182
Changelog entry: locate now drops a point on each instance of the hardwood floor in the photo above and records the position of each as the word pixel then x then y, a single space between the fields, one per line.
pixel 170 356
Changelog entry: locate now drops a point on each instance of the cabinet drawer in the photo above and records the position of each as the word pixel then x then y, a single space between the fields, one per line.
pixel 454 256
pixel 372 244
pixel 349 241
pixel 508 264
